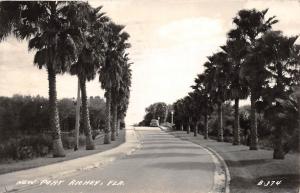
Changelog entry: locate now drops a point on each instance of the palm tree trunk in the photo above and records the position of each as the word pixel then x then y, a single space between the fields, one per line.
pixel 205 126
pixel 220 120
pixel 107 136
pixel 236 129
pixel 118 126
pixel 114 120
pixel 58 150
pixel 77 123
pixel 278 144
pixel 253 137
pixel 86 117
pixel 196 129
pixel 123 123
pixel 188 129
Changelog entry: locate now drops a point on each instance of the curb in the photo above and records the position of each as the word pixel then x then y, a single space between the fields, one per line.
pixel 66 173
pixel 224 168
pixel 223 182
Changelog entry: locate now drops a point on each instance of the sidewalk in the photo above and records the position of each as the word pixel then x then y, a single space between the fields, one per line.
pixel 8 181
pixel 250 168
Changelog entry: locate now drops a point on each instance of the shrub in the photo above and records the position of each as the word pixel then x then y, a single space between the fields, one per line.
pixel 95 132
pixel 26 147
pixel 81 140
pixel 68 141
pixel 25 152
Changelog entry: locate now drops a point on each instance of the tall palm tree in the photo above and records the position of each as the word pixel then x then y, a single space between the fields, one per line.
pixel 204 99
pixel 236 50
pixel 217 70
pixel 110 74
pixel 91 45
pixel 196 109
pixel 44 24
pixel 124 92
pixel 278 52
pixel 117 60
pixel 179 114
pixel 187 110
pixel 250 25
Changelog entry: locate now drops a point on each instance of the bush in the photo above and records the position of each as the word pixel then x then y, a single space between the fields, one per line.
pixel 68 141
pixel 95 132
pixel 26 147
pixel 24 152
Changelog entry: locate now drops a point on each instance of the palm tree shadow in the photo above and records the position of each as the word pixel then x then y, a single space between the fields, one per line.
pixel 163 155
pixel 170 147
pixel 185 165
pixel 164 142
pixel 243 163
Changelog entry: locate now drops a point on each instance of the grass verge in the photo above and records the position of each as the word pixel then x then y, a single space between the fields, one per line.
pixel 249 168
pixel 11 166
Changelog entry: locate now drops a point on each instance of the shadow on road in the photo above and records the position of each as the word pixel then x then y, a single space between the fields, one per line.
pixel 164 142
pixel 169 147
pixel 162 155
pixel 184 166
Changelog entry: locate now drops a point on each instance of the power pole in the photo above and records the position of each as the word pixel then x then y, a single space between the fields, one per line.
pixel 77 123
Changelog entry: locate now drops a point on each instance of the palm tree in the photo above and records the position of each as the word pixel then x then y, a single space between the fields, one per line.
pixel 236 50
pixel 110 75
pixel 205 102
pixel 179 114
pixel 282 66
pixel 195 109
pixel 44 24
pixel 217 70
pixel 91 54
pixel 250 25
pixel 187 111
pixel 124 92
pixel 117 59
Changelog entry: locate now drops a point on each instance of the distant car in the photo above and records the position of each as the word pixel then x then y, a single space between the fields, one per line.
pixel 154 123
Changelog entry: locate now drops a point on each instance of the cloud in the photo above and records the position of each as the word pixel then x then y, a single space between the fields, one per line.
pixel 191 29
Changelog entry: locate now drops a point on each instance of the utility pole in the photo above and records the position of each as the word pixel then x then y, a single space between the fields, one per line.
pixel 77 123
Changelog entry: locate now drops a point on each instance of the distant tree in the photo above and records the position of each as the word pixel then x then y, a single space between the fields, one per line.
pixel 201 86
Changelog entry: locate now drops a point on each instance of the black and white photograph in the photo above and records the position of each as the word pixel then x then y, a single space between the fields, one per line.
pixel 150 96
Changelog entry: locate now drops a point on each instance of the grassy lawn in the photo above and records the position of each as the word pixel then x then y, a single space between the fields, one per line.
pixel 248 168
pixel 11 165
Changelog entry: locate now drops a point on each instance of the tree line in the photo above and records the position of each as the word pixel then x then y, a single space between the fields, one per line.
pixel 256 62
pixel 75 38
pixel 27 115
pixel 159 111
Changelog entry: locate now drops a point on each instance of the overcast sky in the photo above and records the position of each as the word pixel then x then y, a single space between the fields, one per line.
pixel 170 41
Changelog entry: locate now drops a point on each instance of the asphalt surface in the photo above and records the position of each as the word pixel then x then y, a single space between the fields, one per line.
pixel 163 164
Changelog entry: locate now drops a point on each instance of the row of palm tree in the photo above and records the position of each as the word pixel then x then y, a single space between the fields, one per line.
pixel 256 61
pixel 76 38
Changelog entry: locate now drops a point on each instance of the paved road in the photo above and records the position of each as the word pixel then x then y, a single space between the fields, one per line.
pixel 163 164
